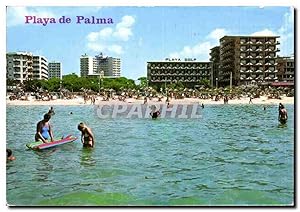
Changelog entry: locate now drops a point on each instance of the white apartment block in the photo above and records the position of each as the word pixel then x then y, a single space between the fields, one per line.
pixel 55 70
pixel 86 65
pixel 109 66
pixel 113 67
pixel 40 68
pixel 19 66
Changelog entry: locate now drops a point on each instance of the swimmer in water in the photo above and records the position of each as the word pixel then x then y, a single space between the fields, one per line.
pixel 43 130
pixel 154 113
pixel 282 114
pixel 87 137
pixel 9 155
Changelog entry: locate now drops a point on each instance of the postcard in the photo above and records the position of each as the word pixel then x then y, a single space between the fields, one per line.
pixel 150 106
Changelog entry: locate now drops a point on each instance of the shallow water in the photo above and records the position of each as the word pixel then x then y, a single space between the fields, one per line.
pixel 233 155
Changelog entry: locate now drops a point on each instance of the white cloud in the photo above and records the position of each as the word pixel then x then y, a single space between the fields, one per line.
pixel 105 33
pixel 123 29
pixel 101 35
pixel 123 33
pixel 96 47
pixel 264 32
pixel 217 34
pixel 110 38
pixel 127 22
pixel 201 50
pixel 115 49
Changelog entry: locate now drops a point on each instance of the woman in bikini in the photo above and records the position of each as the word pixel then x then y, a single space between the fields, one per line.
pixel 43 130
pixel 87 137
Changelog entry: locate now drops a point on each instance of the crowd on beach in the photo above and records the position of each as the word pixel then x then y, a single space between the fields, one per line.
pixel 215 94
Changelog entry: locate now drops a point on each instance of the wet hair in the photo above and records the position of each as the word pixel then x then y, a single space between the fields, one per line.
pixel 47 116
pixel 8 153
pixel 81 126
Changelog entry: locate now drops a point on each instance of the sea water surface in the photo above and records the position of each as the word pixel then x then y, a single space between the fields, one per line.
pixel 232 155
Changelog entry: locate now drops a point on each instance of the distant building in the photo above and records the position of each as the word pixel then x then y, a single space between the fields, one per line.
pixel 247 60
pixel 86 65
pixel 40 68
pixel 55 70
pixel 188 72
pixel 286 69
pixel 215 60
pixel 108 66
pixel 19 66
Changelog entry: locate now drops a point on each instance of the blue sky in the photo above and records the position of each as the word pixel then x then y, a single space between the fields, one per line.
pixel 141 34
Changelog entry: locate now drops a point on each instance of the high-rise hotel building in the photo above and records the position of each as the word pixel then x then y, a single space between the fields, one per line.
pixel 22 66
pixel 86 65
pixel 188 72
pixel 286 69
pixel 55 70
pixel 247 60
pixel 215 63
pixel 108 66
pixel 40 68
pixel 19 66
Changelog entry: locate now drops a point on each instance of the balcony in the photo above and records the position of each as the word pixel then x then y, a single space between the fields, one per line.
pixel 268 78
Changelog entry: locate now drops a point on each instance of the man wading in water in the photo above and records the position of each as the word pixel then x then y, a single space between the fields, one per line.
pixel 282 115
pixel 87 137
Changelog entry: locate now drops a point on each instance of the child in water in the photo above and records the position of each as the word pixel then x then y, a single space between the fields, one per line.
pixel 9 155
pixel 87 137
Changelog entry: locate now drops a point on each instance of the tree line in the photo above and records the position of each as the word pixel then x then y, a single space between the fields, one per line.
pixel 74 83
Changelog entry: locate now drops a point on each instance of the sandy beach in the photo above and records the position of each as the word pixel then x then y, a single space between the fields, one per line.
pixel 80 101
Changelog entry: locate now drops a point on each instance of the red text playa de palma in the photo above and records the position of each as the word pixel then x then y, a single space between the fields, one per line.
pixel 67 20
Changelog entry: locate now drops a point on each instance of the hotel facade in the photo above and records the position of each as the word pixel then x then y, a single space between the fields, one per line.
pixel 245 60
pixel 22 66
pixel 99 65
pixel 40 68
pixel 189 72
pixel 286 69
pixel 55 70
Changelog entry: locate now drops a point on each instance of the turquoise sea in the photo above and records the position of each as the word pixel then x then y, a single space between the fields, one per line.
pixel 232 155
